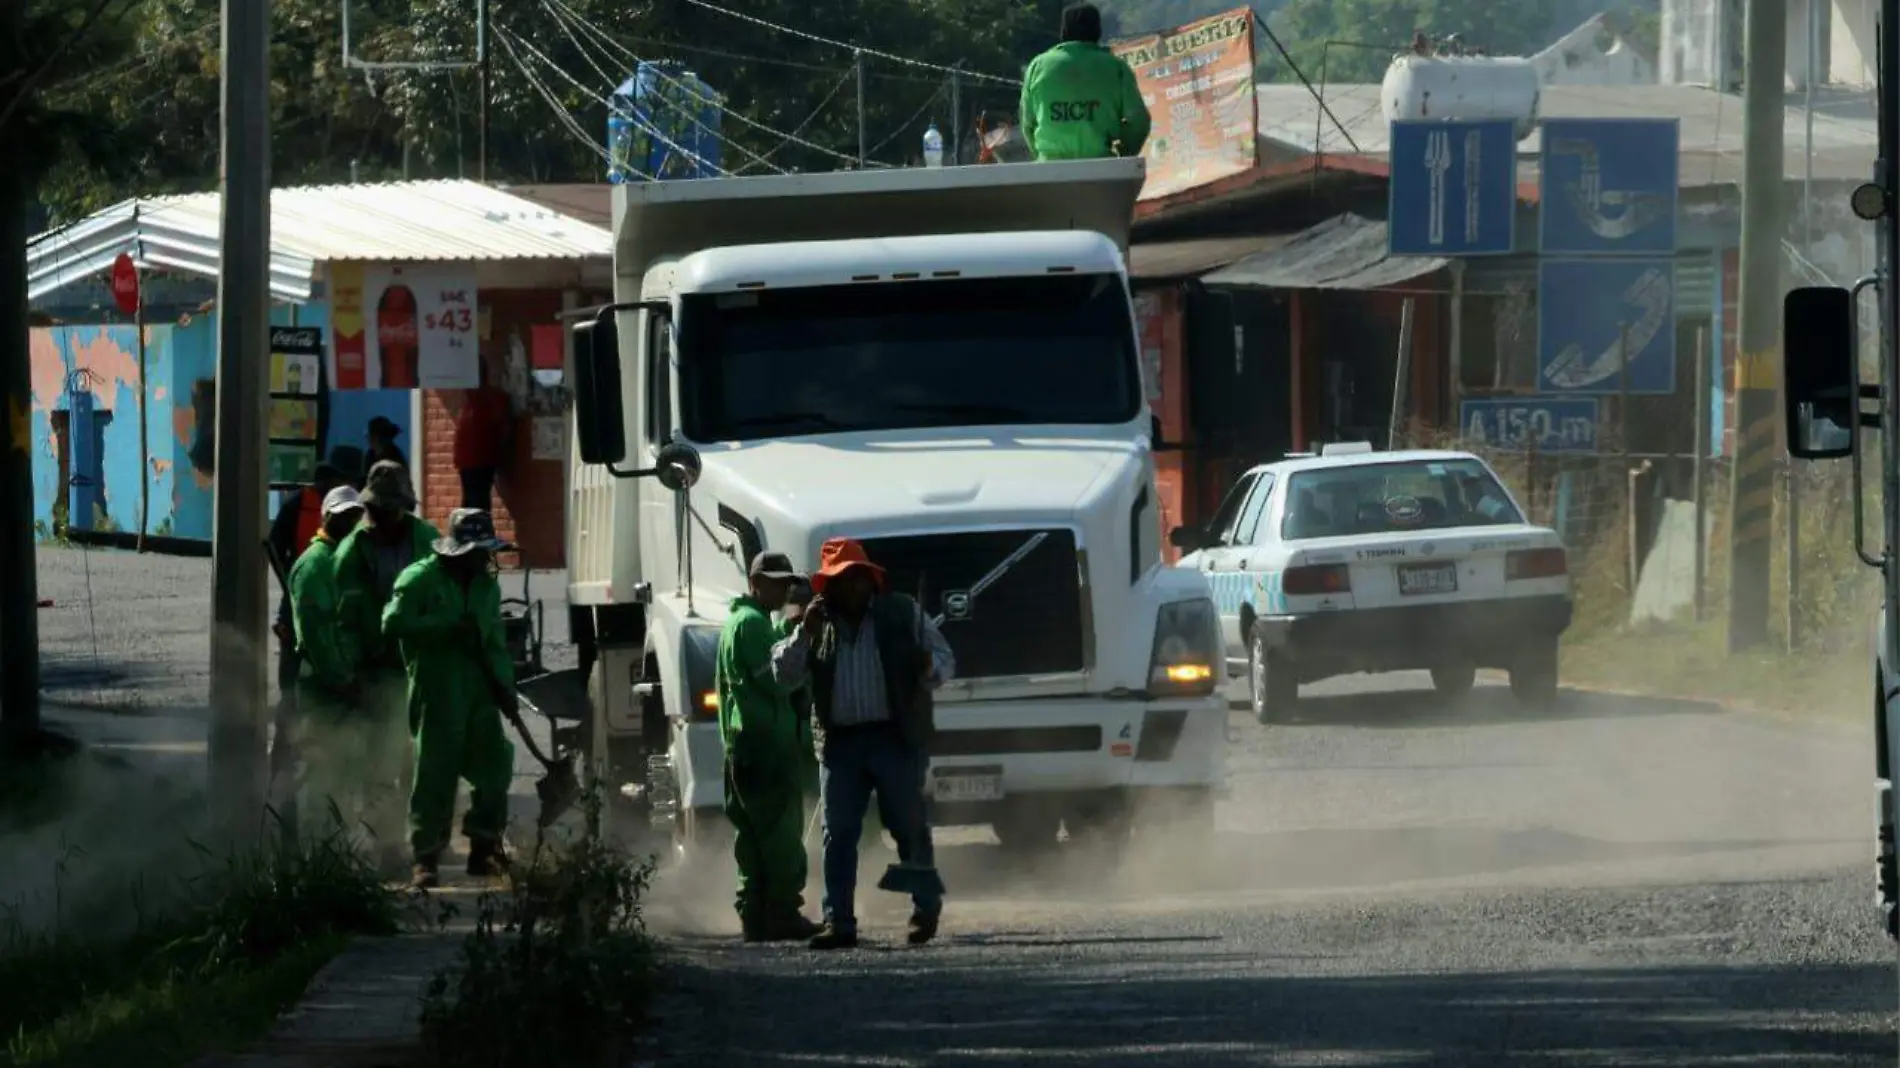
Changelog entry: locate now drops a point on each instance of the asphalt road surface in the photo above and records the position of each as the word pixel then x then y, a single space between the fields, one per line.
pixel 1395 882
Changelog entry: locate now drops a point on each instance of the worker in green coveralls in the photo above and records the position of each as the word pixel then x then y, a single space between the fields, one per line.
pixel 368 562
pixel 332 742
pixel 1080 100
pixel 766 759
pixel 445 613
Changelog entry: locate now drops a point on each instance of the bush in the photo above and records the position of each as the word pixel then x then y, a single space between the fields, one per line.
pixel 557 970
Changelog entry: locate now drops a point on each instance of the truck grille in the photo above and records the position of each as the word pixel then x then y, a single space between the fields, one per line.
pixel 1028 621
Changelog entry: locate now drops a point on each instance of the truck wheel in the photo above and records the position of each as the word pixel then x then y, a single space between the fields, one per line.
pixel 1453 681
pixel 1534 676
pixel 1027 827
pixel 1272 683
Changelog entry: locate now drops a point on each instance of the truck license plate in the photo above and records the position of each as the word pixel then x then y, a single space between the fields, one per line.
pixel 954 785
pixel 1428 578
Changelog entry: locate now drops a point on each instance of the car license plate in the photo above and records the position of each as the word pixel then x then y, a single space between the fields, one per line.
pixel 1428 578
pixel 954 785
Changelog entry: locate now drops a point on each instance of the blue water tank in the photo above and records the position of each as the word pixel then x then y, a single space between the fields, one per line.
pixel 664 125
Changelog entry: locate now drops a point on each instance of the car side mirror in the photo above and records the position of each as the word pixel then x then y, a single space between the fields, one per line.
pixel 1188 539
pixel 1822 394
pixel 1154 438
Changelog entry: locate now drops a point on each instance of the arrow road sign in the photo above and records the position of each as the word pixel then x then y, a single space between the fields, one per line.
pixel 1609 186
pixel 1585 311
pixel 1453 188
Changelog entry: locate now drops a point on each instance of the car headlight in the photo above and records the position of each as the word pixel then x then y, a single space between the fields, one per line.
pixel 1187 649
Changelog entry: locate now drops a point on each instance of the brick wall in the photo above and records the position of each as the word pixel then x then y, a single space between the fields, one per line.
pixel 530 494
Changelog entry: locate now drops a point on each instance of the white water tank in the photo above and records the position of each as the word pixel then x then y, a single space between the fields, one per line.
pixel 1466 88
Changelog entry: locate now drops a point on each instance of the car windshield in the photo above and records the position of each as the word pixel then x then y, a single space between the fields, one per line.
pixel 1385 498
pixel 893 355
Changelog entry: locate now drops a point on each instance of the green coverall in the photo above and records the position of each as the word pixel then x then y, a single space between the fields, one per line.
pixel 1078 100
pixel 447 632
pixel 764 799
pixel 362 600
pixel 335 741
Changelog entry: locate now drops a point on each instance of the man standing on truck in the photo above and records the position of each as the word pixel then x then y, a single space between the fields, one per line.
pixel 445 611
pixel 873 659
pixel 1080 100
pixel 759 730
pixel 368 562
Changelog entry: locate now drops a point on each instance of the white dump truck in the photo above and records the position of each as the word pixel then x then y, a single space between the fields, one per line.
pixel 941 363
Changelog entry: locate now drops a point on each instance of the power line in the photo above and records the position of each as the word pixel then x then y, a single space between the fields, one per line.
pixel 792 138
pixel 567 120
pixel 562 14
pixel 908 123
pixel 856 49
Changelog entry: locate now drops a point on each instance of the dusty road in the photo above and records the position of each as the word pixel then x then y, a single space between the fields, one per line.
pixel 1396 882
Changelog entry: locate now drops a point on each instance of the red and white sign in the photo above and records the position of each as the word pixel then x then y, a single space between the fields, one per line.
pixel 125 284
pixel 404 327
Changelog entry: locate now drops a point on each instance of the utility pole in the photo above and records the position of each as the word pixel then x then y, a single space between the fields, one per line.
pixel 19 592
pixel 238 689
pixel 857 64
pixel 1758 409
pixel 481 70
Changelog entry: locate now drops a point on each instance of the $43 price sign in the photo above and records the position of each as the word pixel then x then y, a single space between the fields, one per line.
pixel 450 322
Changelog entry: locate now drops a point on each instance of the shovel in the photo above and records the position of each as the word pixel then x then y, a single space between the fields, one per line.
pixel 560 788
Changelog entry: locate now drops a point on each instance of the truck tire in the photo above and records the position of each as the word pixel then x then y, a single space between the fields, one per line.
pixel 1534 676
pixel 1273 685
pixel 1453 681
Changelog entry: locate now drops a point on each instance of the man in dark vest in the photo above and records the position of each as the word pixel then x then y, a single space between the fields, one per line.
pixel 873 659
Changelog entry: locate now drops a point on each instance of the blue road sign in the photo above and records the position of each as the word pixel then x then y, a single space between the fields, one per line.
pixel 1587 309
pixel 1609 186
pixel 1550 424
pixel 1453 188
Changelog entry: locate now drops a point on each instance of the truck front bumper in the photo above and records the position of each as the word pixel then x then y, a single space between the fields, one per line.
pixel 1081 745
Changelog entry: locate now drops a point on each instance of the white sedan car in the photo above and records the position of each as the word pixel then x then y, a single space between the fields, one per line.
pixel 1362 561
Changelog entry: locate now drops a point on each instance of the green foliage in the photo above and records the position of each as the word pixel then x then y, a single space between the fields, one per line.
pixel 1374 29
pixel 206 965
pixel 557 971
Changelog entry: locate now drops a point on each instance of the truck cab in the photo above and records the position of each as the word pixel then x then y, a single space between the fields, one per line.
pixel 942 364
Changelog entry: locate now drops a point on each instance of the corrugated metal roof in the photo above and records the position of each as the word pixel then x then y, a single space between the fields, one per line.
pixel 392 222
pixel 1344 252
pixel 1845 139
pixel 1157 260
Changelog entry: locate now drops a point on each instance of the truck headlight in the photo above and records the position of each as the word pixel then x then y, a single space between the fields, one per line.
pixel 1186 649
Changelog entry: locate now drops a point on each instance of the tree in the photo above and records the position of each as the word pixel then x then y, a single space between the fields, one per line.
pixel 1366 33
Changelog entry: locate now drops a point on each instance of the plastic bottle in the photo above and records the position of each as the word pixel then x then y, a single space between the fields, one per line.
pixel 933 147
pixel 619 147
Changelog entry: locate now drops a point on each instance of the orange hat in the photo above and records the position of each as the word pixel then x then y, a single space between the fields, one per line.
pixel 839 555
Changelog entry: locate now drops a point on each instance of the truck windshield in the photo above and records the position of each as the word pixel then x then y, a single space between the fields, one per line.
pixel 1387 498
pixel 899 355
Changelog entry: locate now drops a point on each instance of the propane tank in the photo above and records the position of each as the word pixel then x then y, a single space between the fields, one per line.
pixel 1462 87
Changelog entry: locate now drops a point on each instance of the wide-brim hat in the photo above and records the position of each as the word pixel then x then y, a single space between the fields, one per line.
pixel 839 555
pixel 470 529
pixel 388 486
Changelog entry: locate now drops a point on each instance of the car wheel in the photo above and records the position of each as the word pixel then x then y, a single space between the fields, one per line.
pixel 1454 680
pixel 1534 676
pixel 1272 684
pixel 1027 828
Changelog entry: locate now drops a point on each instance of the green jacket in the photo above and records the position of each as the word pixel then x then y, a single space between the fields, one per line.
pixel 361 599
pixel 428 615
pixel 756 719
pixel 328 664
pixel 1079 99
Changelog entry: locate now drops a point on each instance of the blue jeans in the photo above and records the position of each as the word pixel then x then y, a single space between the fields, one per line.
pixel 856 762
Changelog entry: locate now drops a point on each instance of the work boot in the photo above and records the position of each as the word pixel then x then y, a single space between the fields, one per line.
pixel 425 875
pixel 923 927
pixel 832 936
pixel 487 859
pixel 793 927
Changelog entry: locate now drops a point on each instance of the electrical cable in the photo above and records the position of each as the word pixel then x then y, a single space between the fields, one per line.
pixel 908 123
pixel 792 138
pixel 855 49
pixel 567 120
pixel 784 137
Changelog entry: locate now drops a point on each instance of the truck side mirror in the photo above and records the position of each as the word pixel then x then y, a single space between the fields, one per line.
pixel 677 466
pixel 1822 393
pixel 1154 438
pixel 600 418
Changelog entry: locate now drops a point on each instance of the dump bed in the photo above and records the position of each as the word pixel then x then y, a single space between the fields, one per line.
pixel 659 220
